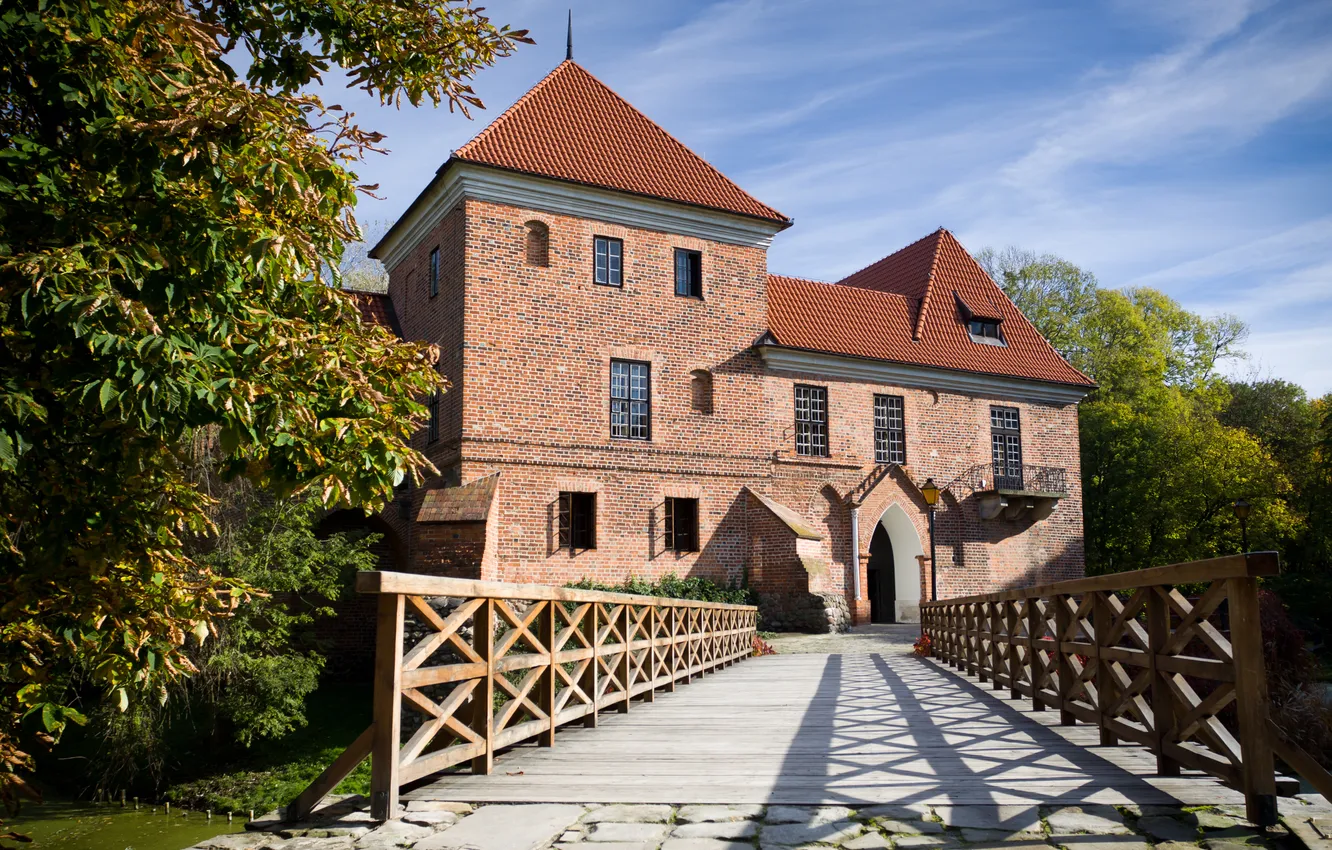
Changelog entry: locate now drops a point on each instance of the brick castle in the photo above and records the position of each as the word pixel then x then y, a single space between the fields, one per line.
pixel 633 393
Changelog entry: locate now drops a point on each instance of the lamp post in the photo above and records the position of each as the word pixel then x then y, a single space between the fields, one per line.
pixel 930 491
pixel 1241 507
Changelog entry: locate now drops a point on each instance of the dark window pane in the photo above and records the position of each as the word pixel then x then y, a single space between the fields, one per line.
pixel 434 273
pixel 578 521
pixel 688 273
pixel 682 525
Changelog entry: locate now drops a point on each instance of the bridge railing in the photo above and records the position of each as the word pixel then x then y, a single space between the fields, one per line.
pixel 497 664
pixel 1132 654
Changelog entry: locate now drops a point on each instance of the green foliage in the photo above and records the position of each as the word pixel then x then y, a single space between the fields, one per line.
pixel 254 677
pixel 263 778
pixel 169 245
pixel 265 661
pixel 673 587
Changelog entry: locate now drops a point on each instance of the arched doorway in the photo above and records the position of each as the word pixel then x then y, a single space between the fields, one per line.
pixel 882 589
pixel 893 569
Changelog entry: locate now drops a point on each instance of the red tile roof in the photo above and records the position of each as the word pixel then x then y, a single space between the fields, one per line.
pixel 376 309
pixel 905 309
pixel 570 126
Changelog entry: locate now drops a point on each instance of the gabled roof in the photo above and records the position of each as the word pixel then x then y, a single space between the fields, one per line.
pixel 907 308
pixel 570 126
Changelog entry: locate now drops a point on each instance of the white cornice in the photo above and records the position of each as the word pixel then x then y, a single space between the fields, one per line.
pixel 466 180
pixel 907 375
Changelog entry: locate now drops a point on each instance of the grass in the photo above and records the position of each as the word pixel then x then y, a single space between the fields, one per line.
pixel 272 773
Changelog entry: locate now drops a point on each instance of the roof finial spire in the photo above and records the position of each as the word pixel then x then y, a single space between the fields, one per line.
pixel 568 50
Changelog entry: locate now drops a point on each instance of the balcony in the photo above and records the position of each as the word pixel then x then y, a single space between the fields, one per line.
pixel 1011 491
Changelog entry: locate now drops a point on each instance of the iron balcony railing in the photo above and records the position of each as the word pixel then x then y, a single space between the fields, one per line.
pixel 987 477
pixel 1030 477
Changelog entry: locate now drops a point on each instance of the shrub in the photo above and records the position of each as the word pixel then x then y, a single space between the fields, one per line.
pixel 922 646
pixel 762 647
pixel 671 586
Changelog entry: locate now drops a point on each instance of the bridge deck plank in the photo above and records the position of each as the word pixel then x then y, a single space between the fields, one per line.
pixel 830 729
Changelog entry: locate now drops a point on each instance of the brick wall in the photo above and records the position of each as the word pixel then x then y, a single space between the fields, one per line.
pixel 528 349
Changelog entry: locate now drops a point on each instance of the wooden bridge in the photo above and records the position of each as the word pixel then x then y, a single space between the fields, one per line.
pixel 1130 657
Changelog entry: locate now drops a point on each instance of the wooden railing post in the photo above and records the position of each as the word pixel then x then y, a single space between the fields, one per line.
pixel 1103 619
pixel 387 705
pixel 1251 702
pixel 588 681
pixel 1063 667
pixel 1035 630
pixel 549 627
pixel 626 625
pixel 651 693
pixel 996 658
pixel 1012 621
pixel 483 698
pixel 672 654
pixel 1163 702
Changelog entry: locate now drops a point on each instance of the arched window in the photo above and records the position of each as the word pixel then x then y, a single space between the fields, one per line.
pixel 538 244
pixel 700 390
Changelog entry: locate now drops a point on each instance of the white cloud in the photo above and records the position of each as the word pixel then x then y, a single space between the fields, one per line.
pixel 1201 95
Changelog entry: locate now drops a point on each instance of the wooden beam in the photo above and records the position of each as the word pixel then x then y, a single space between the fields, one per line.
pixel 1214 569
pixel 388 709
pixel 340 769
pixel 1300 761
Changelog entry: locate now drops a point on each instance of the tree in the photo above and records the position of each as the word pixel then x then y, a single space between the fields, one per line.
pixel 170 233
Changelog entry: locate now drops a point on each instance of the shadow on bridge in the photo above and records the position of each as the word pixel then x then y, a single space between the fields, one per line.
pixel 900 730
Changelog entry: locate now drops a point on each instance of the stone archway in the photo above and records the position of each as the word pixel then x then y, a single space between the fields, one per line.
pixel 898 564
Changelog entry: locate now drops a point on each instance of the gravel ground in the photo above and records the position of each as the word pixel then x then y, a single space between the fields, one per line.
pixel 884 639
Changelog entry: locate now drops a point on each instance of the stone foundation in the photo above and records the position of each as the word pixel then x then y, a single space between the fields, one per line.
pixel 803 612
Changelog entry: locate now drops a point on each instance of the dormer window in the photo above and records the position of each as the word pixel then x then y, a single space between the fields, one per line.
pixel 986 329
pixel 983 328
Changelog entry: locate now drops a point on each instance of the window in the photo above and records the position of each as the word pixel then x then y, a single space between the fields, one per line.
pixel 537 247
pixel 985 329
pixel 682 525
pixel 688 273
pixel 630 406
pixel 700 390
pixel 889 430
pixel 1006 447
pixel 811 420
pixel 578 521
pixel 609 262
pixel 434 273
pixel 432 430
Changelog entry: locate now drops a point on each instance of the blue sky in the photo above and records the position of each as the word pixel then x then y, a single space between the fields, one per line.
pixel 1184 145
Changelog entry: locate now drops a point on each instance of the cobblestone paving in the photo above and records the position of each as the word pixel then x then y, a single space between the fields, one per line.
pixel 345 825
pixel 884 639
